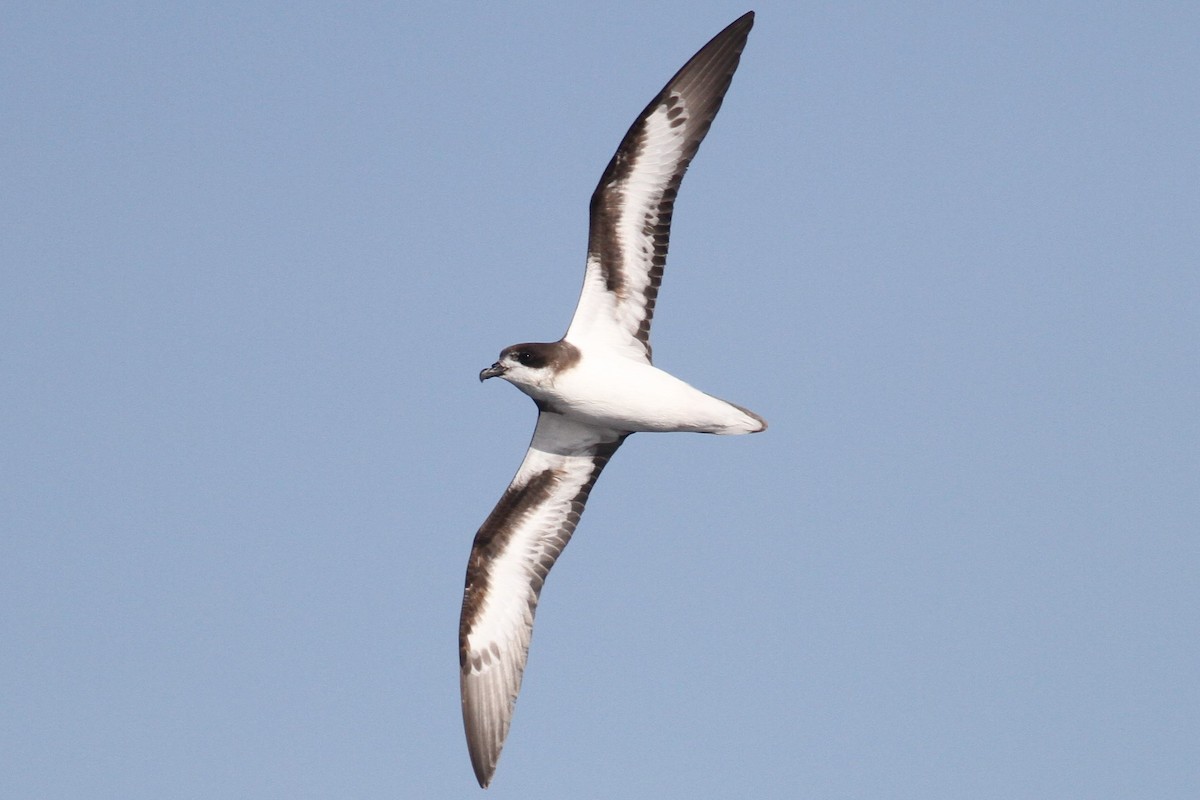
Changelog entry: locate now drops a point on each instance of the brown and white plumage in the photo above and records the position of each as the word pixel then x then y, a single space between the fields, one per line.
pixel 514 550
pixel 593 388
pixel 632 205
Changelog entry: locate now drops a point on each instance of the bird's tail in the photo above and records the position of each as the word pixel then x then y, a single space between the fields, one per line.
pixel 738 421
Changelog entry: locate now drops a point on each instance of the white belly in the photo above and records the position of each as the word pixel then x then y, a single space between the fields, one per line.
pixel 627 395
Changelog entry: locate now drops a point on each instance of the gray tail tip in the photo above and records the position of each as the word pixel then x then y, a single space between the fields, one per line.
pixel 762 423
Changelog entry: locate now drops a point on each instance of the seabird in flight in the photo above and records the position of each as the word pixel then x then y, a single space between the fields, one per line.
pixel 593 387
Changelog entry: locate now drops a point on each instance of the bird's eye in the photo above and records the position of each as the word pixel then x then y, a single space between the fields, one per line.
pixel 525 357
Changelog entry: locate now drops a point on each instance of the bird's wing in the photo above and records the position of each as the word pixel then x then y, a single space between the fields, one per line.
pixel 513 551
pixel 632 205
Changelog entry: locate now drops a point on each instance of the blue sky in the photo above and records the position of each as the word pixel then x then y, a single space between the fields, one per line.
pixel 252 258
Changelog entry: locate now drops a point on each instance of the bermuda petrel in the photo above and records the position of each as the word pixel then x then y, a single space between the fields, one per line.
pixel 593 388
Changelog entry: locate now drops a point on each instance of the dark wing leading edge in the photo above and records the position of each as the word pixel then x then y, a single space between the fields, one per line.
pixel 513 551
pixel 632 205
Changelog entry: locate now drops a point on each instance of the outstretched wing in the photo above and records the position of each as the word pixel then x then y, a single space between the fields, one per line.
pixel 513 551
pixel 632 205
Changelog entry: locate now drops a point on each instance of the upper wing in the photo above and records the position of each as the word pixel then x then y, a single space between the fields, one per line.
pixel 513 551
pixel 632 205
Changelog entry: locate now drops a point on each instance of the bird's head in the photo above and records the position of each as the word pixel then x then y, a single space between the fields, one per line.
pixel 532 365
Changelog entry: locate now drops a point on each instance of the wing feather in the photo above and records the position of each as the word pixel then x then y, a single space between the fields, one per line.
pixel 632 205
pixel 513 552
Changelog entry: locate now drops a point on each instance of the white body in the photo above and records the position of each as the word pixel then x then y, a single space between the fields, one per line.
pixel 623 394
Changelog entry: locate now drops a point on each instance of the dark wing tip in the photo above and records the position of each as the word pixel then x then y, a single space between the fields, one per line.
pixel 725 48
pixel 708 73
pixel 487 704
pixel 483 760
